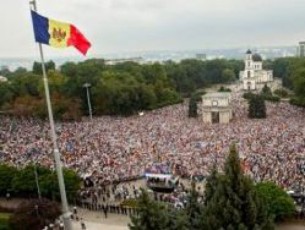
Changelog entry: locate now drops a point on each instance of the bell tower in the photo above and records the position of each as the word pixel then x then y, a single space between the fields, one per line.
pixel 248 60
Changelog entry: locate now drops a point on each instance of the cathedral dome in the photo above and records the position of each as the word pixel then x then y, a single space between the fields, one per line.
pixel 256 58
pixel 248 52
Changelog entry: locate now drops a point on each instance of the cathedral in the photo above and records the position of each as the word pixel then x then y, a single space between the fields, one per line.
pixel 254 77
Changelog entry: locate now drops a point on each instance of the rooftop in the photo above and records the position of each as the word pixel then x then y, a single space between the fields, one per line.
pixel 217 95
pixel 257 57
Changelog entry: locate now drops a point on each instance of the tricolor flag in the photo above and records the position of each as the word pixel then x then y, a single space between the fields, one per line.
pixel 58 34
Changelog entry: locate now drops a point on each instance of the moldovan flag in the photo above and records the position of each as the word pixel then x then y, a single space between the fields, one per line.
pixel 58 34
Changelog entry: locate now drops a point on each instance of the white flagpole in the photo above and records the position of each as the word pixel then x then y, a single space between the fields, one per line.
pixel 64 202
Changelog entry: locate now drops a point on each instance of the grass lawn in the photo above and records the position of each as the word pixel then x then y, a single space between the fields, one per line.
pixel 4 217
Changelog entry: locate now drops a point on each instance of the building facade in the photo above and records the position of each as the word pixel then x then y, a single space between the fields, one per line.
pixel 254 77
pixel 201 56
pixel 301 49
pixel 216 108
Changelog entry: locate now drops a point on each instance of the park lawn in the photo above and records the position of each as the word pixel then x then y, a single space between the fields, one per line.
pixel 5 215
pixel 4 218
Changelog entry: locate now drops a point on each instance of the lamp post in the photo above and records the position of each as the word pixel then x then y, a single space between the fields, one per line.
pixel 37 182
pixel 36 176
pixel 87 86
pixel 36 209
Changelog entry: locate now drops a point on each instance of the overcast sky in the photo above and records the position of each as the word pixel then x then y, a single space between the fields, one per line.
pixel 145 25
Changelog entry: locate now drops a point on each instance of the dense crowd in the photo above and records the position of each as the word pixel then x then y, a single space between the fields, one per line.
pixel 119 148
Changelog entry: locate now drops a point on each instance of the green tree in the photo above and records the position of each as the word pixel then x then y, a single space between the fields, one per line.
pixel 228 75
pixel 177 220
pixel 281 93
pixel 257 107
pixel 47 180
pixel 6 93
pixel 7 174
pixel 193 209
pixel 299 86
pixel 223 89
pixel 50 188
pixel 193 107
pixel 231 200
pixel 279 204
pixel 266 91
pixel 37 67
pixel 150 215
pixel 25 84
pixel 28 189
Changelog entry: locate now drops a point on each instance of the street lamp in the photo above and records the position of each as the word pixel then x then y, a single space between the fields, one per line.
pixel 36 209
pixel 36 176
pixel 37 182
pixel 87 86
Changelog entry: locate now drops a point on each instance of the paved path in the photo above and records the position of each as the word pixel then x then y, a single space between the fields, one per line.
pixel 97 221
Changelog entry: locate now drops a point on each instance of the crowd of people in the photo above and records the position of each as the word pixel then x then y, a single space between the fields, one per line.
pixel 111 149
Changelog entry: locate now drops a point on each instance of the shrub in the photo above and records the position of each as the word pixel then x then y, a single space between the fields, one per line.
pixel 223 89
pixel 248 95
pixel 297 101
pixel 279 203
pixel 281 93
pixel 271 98
pixel 34 214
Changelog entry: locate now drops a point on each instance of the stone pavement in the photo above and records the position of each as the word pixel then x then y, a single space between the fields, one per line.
pixel 97 221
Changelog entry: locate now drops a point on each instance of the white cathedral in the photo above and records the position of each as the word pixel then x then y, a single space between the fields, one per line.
pixel 254 77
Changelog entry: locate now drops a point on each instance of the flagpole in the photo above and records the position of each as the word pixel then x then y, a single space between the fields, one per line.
pixel 64 202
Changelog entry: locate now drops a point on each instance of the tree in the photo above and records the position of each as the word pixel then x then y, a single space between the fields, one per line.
pixel 28 189
pixel 37 67
pixel 223 89
pixel 266 91
pixel 177 219
pixel 25 84
pixel 231 200
pixel 279 204
pixel 121 89
pixel 6 93
pixel 7 174
pixel 266 94
pixel 257 107
pixel 299 86
pixel 150 215
pixel 34 214
pixel 47 180
pixel 281 93
pixel 193 107
pixel 228 75
pixel 193 209
pixel 49 184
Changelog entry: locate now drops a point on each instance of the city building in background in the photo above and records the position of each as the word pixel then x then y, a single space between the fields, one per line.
pixel 201 56
pixel 301 49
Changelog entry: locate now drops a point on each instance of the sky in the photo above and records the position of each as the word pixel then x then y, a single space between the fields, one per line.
pixel 115 26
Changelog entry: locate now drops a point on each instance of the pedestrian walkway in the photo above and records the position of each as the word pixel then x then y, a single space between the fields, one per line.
pixel 96 220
